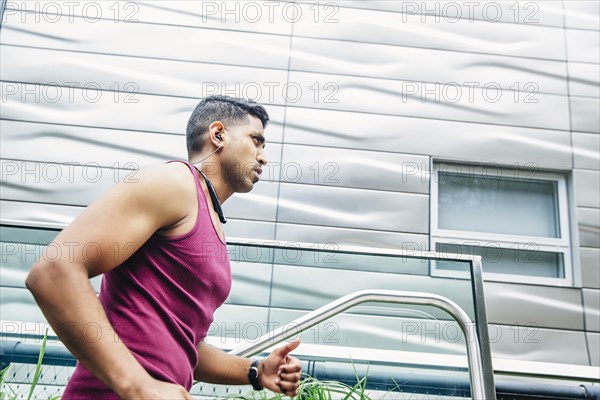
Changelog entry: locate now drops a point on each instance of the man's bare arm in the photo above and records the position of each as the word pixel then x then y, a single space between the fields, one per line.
pixel 279 372
pixel 216 366
pixel 112 229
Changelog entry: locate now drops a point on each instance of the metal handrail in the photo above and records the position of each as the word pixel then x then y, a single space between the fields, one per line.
pixel 342 304
pixel 476 272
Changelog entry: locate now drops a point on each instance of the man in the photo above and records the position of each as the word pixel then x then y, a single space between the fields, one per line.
pixel 157 238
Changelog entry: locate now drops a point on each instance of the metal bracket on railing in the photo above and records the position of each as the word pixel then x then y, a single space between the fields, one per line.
pixel 478 387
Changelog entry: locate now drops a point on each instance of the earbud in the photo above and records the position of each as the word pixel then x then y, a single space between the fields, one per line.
pixel 220 139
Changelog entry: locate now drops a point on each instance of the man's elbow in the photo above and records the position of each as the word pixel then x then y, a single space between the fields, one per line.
pixel 45 275
pixel 38 276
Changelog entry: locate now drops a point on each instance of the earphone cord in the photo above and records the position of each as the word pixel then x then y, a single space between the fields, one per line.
pixel 211 190
pixel 198 162
pixel 213 197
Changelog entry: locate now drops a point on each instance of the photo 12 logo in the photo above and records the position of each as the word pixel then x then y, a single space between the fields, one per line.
pixel 70 92
pixel 454 11
pixel 268 12
pixel 29 172
pixel 70 11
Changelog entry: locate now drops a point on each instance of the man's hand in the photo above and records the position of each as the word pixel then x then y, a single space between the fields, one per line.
pixel 281 372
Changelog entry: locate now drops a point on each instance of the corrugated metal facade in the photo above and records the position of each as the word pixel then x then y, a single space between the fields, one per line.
pixel 363 96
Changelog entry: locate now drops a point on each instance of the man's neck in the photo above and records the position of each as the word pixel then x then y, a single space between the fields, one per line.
pixel 211 170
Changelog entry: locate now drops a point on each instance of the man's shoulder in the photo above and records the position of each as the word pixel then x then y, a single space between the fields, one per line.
pixel 172 190
pixel 159 183
pixel 172 175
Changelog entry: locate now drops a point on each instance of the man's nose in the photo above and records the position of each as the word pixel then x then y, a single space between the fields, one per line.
pixel 262 158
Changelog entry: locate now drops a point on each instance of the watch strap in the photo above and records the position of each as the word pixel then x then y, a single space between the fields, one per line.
pixel 253 375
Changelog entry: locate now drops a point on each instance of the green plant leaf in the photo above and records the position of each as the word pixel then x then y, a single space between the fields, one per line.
pixel 3 373
pixel 38 367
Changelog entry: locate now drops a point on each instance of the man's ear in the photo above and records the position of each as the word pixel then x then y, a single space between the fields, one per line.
pixel 215 133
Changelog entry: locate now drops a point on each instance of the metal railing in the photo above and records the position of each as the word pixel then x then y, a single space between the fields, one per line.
pixel 478 384
pixel 475 275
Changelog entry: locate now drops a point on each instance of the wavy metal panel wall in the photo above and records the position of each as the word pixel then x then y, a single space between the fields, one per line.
pixel 414 64
pixel 352 136
pixel 426 31
pixel 469 142
pixel 590 259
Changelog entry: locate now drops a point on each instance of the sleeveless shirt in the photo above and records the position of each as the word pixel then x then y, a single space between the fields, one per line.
pixel 161 302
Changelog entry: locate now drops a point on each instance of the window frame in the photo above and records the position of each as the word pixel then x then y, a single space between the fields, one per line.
pixel 560 245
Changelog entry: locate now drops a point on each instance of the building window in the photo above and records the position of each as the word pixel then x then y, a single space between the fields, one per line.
pixel 516 220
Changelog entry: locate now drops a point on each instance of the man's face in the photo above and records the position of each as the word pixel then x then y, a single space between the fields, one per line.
pixel 243 155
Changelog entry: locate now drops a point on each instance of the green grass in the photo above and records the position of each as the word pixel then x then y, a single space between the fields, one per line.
pixel 315 389
pixel 4 395
pixel 7 392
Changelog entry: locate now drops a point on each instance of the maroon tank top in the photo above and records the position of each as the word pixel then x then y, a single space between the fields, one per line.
pixel 161 302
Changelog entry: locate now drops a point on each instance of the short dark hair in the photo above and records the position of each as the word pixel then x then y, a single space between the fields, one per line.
pixel 229 110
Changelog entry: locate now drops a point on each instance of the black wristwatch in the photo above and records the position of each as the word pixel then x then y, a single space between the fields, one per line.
pixel 253 375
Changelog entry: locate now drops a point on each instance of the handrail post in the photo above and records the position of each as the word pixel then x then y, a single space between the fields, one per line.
pixel 482 327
